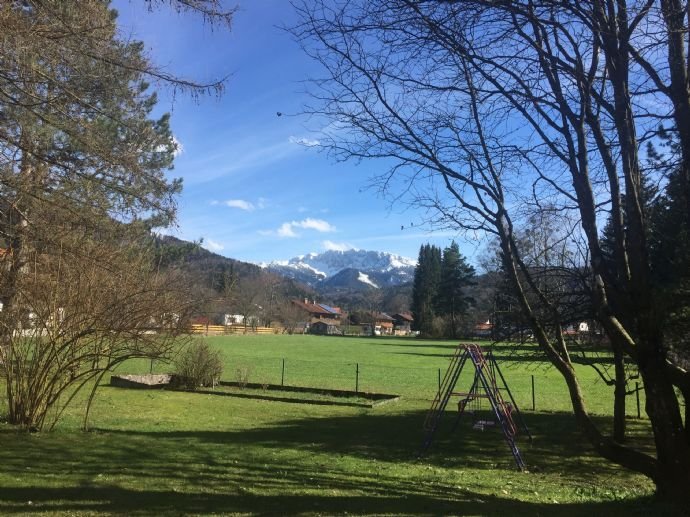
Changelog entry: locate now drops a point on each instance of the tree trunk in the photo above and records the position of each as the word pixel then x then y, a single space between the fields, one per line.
pixel 606 447
pixel 673 452
pixel 674 16
pixel 619 395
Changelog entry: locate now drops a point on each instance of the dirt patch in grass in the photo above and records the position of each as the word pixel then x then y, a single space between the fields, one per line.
pixel 147 381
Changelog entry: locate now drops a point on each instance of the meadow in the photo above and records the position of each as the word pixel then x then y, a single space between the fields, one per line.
pixel 169 453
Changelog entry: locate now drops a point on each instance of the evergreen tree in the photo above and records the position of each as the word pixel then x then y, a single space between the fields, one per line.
pixel 456 276
pixel 670 263
pixel 425 288
pixel 83 177
pixel 668 234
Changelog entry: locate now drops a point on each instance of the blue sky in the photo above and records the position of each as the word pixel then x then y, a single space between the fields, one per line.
pixel 252 190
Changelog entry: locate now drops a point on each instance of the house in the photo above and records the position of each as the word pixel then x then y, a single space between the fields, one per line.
pixel 576 329
pixel 483 329
pixel 381 325
pixel 324 329
pixel 233 319
pixel 402 323
pixel 319 312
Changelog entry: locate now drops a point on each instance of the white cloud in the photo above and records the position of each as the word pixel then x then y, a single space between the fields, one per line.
pixel 243 204
pixel 240 203
pixel 336 246
pixel 212 245
pixel 179 148
pixel 288 229
pixel 315 224
pixel 306 142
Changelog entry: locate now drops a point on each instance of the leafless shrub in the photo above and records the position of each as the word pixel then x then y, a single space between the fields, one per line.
pixel 242 374
pixel 199 365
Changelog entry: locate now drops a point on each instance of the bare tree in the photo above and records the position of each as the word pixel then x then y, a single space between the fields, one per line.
pixel 493 112
pixel 248 298
pixel 82 176
pixel 291 315
pixel 76 316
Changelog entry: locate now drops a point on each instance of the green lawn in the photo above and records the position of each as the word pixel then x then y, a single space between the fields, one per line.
pixel 165 452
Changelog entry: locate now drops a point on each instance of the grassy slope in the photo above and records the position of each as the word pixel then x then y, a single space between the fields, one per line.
pixel 168 453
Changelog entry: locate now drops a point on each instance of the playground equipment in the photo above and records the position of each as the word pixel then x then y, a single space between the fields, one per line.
pixel 488 384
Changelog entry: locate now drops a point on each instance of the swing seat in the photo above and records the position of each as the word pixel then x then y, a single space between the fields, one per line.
pixel 483 424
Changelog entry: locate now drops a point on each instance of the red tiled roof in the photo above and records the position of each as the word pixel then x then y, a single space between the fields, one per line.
pixel 311 308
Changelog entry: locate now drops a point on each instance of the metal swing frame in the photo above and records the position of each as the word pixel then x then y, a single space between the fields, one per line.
pixel 489 383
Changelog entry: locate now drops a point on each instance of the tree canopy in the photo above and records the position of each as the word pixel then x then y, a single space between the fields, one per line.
pixel 492 113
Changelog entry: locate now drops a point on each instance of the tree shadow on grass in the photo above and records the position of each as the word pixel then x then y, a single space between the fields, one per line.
pixel 136 502
pixel 249 471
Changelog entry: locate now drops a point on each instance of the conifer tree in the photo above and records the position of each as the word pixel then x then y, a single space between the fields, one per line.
pixel 425 288
pixel 456 275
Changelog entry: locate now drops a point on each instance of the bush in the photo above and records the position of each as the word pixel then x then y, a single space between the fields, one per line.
pixel 198 365
pixel 243 372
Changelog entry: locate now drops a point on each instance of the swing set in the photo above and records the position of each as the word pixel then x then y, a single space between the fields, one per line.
pixel 488 385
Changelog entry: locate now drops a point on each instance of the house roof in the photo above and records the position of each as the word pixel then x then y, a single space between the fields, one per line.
pixel 406 316
pixel 313 308
pixel 332 310
pixel 382 316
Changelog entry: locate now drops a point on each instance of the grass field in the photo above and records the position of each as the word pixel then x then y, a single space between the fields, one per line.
pixel 171 453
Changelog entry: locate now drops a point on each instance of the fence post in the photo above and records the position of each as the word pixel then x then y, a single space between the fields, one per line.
pixel 637 396
pixel 356 377
pixel 282 374
pixel 439 383
pixel 534 405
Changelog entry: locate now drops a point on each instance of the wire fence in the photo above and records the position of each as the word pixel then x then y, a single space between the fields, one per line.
pixel 532 389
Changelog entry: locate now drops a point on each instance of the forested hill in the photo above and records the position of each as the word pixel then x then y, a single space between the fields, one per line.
pixel 207 269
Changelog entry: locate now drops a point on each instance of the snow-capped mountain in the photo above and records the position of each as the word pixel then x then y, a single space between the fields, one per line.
pixel 357 269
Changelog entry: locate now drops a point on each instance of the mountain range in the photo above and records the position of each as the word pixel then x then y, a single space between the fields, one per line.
pixel 351 269
pixel 353 279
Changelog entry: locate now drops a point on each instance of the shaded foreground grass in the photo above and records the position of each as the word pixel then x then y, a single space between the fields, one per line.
pixel 171 453
pixel 211 454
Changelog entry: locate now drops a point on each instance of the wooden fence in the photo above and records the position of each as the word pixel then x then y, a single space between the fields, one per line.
pixel 218 330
